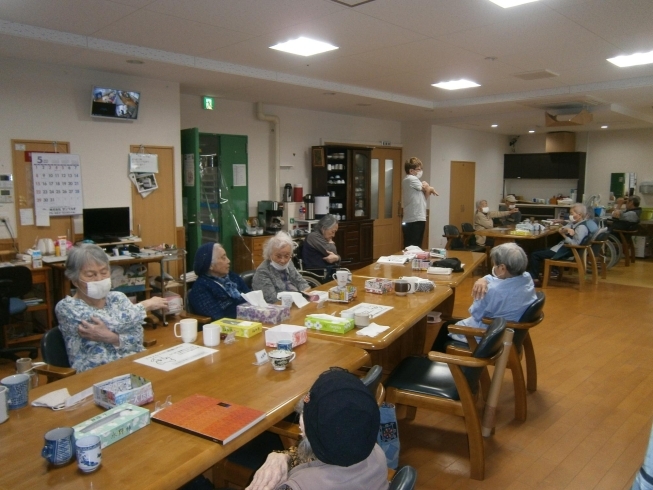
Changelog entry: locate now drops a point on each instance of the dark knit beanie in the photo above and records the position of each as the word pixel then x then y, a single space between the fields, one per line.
pixel 203 258
pixel 341 419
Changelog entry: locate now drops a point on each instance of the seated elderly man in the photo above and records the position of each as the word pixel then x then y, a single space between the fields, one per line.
pixel 339 422
pixel 628 219
pixel 483 220
pixel 505 293
pixel 508 204
pixel 573 233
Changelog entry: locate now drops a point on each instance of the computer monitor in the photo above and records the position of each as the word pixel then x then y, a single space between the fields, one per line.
pixel 104 225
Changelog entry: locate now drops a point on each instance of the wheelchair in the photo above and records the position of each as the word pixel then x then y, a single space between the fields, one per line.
pixel 314 277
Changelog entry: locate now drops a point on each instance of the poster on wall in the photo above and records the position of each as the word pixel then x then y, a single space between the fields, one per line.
pixel 57 179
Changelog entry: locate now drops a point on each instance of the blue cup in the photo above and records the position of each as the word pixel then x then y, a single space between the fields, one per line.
pixel 285 345
pixel 59 445
pixel 18 386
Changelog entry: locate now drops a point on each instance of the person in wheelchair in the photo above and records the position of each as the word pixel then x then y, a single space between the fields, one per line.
pixel 277 273
pixel 319 250
pixel 627 220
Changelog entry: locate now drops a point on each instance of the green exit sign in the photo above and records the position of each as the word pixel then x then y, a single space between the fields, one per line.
pixel 207 103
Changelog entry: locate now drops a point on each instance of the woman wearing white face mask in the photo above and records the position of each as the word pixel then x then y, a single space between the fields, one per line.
pixel 99 325
pixel 483 220
pixel 414 193
pixel 277 272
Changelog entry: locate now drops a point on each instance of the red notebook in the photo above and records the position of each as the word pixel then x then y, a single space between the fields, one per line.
pixel 209 417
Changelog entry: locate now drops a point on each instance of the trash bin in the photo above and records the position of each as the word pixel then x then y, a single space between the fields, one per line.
pixel 640 246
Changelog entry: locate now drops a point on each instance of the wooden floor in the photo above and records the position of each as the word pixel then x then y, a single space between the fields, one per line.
pixel 588 423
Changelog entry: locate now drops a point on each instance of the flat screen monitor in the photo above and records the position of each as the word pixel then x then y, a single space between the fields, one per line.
pixel 104 225
pixel 111 102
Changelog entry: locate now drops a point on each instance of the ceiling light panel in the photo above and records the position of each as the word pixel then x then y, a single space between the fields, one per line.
pixel 632 59
pixel 456 84
pixel 511 3
pixel 304 46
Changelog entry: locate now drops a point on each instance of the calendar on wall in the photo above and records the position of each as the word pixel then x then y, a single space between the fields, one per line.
pixel 57 181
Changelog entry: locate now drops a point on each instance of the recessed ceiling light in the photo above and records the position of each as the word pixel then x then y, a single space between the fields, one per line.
pixel 304 46
pixel 135 62
pixel 632 59
pixel 495 125
pixel 531 130
pixel 604 127
pixel 511 3
pixel 456 84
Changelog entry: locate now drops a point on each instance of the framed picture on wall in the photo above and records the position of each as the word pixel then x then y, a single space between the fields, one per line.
pixel 318 157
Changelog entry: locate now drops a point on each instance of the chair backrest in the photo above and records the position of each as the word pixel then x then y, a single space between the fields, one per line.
pixel 597 240
pixel 456 243
pixel 373 378
pixel 469 228
pixel 21 281
pixel 405 479
pixel 530 315
pixel 490 344
pixel 248 277
pixel 53 348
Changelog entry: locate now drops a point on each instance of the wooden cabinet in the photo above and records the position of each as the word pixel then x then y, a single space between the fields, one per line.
pixel 247 252
pixel 354 242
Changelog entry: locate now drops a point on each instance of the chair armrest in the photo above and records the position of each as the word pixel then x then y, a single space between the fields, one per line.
pixel 286 429
pixel 201 319
pixel 458 351
pixel 519 325
pixel 54 373
pixel 462 330
pixel 149 343
pixel 459 361
pixel 580 247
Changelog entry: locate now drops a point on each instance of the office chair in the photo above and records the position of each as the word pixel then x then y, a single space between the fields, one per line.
pixel 15 282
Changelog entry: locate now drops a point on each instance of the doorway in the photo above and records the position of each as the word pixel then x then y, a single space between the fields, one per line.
pixel 461 192
pixel 386 175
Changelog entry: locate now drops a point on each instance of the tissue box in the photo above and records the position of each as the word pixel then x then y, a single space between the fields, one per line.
pixel 420 264
pixel 438 253
pixel 127 388
pixel 118 423
pixel 240 328
pixel 379 286
pixel 264 314
pixel 294 333
pixel 330 324
pixel 344 295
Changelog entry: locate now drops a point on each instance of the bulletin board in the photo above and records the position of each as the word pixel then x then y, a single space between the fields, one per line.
pixel 24 202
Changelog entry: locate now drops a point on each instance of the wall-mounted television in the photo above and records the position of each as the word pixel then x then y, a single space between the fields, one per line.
pixel 106 225
pixel 114 103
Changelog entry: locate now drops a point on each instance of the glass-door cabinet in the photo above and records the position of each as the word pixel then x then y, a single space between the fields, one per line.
pixel 343 174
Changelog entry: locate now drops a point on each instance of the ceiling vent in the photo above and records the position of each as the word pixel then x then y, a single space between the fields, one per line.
pixel 536 75
pixel 583 117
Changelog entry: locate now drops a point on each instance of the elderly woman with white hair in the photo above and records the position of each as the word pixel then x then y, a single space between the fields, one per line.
pixel 99 325
pixel 277 272
pixel 574 233
pixel 505 293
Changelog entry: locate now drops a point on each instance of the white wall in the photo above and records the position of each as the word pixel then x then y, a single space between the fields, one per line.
pixel 299 130
pixel 52 103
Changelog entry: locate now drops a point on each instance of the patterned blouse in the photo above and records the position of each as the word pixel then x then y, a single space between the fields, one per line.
pixel 119 315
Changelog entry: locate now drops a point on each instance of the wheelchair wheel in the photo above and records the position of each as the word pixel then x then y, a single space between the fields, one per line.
pixel 611 254
pixel 618 249
pixel 311 279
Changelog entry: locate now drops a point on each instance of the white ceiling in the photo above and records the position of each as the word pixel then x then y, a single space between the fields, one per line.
pixel 390 52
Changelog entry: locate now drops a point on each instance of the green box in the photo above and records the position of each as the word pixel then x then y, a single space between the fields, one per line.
pixel 328 323
pixel 114 424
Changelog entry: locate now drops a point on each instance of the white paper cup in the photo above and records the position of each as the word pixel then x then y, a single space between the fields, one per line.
pixel 211 335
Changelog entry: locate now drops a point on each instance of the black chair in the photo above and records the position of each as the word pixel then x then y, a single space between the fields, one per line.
pixel 15 282
pixel 404 479
pixel 449 383
pixel 468 232
pixel 53 350
pixel 455 241
pixel 248 277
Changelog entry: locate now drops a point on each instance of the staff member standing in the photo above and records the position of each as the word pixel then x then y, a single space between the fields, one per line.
pixel 414 193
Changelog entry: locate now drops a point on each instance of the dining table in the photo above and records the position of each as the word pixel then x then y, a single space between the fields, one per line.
pixel 407 333
pixel 158 456
pixel 529 241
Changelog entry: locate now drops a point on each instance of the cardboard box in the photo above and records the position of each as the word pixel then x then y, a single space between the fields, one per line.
pixel 343 295
pixel 294 333
pixel 328 323
pixel 127 388
pixel 273 314
pixel 241 328
pixel 379 286
pixel 114 424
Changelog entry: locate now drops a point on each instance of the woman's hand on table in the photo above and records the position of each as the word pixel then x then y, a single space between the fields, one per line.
pixel 331 258
pixel 273 472
pixel 479 289
pixel 155 303
pixel 97 331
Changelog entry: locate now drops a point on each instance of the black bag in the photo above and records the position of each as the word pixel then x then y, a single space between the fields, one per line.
pixel 453 263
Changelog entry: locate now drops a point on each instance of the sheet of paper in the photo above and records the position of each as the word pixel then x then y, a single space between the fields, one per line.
pixel 240 175
pixel 373 310
pixel 43 216
pixel 174 357
pixel 27 216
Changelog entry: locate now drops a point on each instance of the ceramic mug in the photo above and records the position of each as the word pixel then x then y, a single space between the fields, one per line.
pixel 401 287
pixel 362 319
pixel 4 403
pixel 280 359
pixel 341 277
pixel 59 445
pixel 18 386
pixel 188 327
pixel 412 281
pixel 89 453
pixel 211 334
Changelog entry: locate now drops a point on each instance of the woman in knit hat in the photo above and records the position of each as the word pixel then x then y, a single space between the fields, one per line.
pixel 216 292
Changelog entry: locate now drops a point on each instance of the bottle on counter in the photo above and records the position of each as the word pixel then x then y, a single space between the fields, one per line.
pixel 302 212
